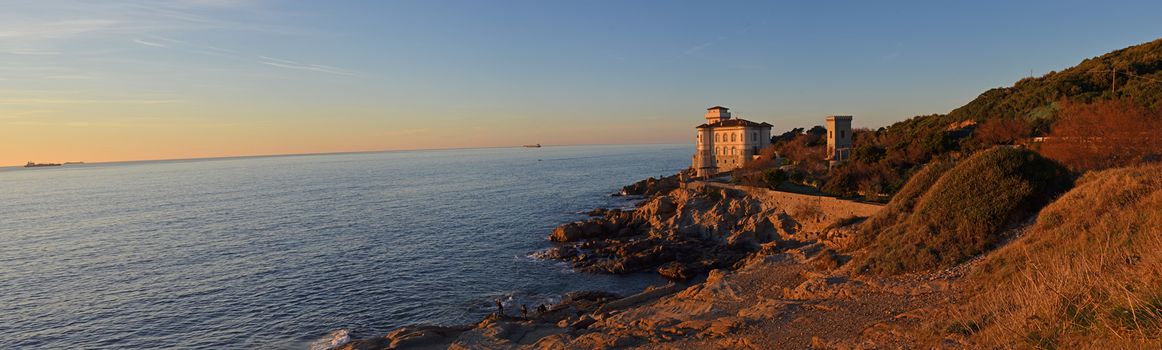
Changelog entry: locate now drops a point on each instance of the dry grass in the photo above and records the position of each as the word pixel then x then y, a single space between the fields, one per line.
pixel 1088 273
pixel 965 211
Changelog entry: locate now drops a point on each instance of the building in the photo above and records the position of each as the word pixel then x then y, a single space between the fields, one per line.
pixel 838 138
pixel 725 144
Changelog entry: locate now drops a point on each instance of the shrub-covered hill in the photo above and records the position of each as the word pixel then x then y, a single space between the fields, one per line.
pixel 1136 71
pixel 963 213
pixel 1087 273
pixel 884 159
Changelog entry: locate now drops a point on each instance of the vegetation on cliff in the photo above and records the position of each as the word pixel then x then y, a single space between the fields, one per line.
pixel 1087 272
pixel 964 212
pixel 883 159
pixel 1104 134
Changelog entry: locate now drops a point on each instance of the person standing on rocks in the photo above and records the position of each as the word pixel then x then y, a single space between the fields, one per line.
pixel 499 307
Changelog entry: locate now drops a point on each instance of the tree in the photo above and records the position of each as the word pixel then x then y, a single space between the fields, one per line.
pixel 1103 134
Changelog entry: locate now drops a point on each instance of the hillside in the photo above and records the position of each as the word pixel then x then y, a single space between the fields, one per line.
pixel 963 212
pixel 1087 273
pixel 884 159
pixel 1139 77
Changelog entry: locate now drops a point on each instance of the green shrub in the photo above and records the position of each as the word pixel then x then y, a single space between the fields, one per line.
pixel 965 211
pixel 902 203
pixel 774 177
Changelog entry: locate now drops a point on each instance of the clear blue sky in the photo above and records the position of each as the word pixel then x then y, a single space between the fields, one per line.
pixel 159 79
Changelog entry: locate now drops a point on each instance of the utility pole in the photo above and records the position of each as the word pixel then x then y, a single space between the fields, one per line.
pixel 1113 81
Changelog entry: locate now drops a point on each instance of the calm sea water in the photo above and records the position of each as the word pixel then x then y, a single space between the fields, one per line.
pixel 275 252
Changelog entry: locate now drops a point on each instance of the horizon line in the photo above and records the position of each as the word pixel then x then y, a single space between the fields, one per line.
pixel 350 152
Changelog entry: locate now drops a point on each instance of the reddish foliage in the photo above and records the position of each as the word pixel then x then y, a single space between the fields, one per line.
pixel 1001 131
pixel 1103 134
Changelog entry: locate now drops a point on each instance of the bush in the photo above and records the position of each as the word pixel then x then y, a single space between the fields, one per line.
pixel 901 204
pixel 868 154
pixel 774 177
pixel 966 210
pixel 1103 134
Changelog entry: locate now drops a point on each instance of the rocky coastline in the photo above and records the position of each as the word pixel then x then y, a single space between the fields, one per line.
pixel 692 234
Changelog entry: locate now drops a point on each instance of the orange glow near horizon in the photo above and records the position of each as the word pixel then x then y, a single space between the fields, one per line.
pixel 48 138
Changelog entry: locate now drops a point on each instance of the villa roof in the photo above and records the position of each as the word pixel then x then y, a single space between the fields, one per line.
pixel 717 107
pixel 734 122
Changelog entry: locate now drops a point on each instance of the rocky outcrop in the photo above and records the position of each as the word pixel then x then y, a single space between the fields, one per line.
pixel 681 234
pixel 651 187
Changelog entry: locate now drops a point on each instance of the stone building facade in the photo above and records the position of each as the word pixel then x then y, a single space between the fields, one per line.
pixel 839 138
pixel 724 143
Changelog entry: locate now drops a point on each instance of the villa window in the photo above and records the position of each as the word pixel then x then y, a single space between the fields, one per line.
pixel 732 137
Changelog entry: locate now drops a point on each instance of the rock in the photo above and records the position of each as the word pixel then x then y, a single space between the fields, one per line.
pixel 652 187
pixel 588 295
pixel 558 253
pixel 582 323
pixel 666 206
pixel 677 271
pixel 591 228
pixel 570 232
pixel 417 336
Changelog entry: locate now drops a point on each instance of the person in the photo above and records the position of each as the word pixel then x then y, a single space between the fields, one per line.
pixel 499 307
pixel 524 311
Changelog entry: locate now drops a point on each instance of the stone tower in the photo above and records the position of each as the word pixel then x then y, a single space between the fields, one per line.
pixel 838 138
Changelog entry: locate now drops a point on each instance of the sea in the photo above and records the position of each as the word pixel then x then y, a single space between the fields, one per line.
pixel 287 252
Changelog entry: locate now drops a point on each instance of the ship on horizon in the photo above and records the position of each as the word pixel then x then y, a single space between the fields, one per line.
pixel 533 146
pixel 35 165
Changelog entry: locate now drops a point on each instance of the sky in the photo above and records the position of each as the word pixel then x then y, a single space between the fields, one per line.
pixel 150 79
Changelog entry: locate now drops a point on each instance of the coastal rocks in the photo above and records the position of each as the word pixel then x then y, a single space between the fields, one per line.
pixel 680 235
pixel 620 256
pixel 652 187
pixel 607 223
pixel 411 337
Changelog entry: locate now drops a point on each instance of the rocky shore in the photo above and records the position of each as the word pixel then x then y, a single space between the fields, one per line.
pixel 703 237
pixel 680 234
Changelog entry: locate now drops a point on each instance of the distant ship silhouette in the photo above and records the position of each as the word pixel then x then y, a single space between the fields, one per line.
pixel 34 165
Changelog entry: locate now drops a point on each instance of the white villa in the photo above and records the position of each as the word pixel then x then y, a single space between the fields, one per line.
pixel 724 144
